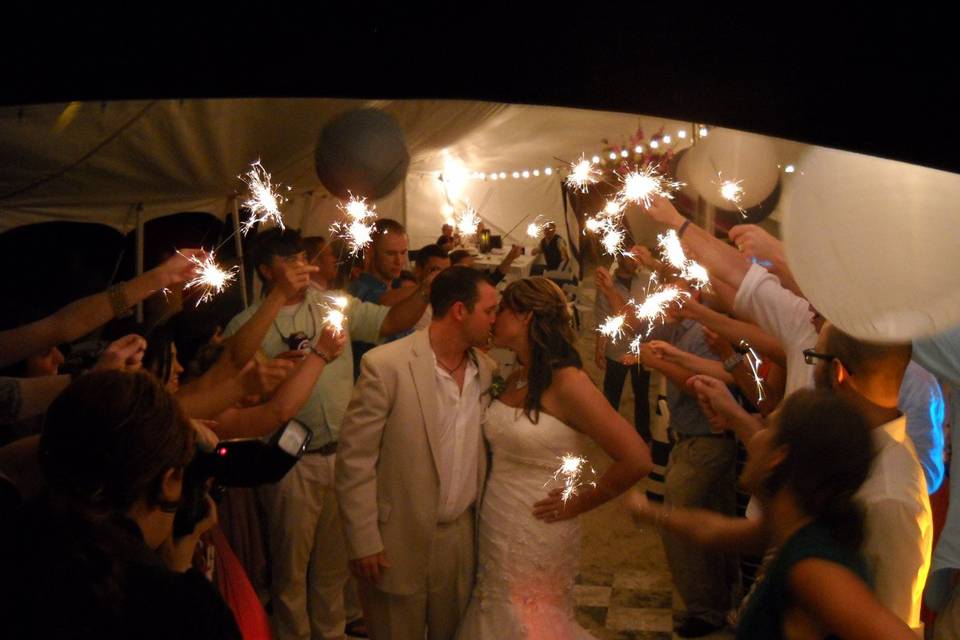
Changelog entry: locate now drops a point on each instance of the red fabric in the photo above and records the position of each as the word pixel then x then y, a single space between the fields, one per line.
pixel 238 592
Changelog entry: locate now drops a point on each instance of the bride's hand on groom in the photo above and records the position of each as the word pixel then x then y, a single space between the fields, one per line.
pixel 370 568
pixel 554 509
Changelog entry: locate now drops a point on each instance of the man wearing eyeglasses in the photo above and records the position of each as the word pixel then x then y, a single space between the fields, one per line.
pixel 899 523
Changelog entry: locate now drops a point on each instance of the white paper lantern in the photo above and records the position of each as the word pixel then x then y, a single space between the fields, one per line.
pixel 874 244
pixel 736 156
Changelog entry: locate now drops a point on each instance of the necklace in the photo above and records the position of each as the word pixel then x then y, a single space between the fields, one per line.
pixel 293 323
pixel 459 364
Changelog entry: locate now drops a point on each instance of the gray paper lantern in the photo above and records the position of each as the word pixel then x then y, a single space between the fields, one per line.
pixel 362 152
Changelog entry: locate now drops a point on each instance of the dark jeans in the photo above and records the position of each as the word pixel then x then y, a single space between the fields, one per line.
pixel 613 381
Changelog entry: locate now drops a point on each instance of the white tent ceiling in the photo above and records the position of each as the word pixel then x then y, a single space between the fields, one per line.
pixel 97 162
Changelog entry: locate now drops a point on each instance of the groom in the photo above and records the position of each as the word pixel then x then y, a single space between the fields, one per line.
pixel 412 461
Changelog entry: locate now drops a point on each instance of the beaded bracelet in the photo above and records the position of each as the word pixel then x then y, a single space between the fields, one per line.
pixel 118 300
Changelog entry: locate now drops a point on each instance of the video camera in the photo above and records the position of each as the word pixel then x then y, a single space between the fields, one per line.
pixel 245 462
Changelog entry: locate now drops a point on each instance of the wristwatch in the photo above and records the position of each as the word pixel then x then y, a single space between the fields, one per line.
pixel 731 363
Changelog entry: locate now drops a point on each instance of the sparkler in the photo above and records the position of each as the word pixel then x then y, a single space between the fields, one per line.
pixel 535 228
pixel 754 362
pixel 264 201
pixel 641 185
pixel 732 191
pixel 672 252
pixel 570 473
pixel 653 309
pixel 467 221
pixel 582 175
pixel 358 231
pixel 612 327
pixel 607 224
pixel 335 308
pixel 612 240
pixel 594 225
pixel 209 276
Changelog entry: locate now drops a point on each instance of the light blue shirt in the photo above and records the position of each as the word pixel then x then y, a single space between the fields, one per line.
pixel 941 356
pixel 324 409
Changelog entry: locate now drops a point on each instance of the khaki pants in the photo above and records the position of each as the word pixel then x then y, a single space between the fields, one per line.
pixel 702 474
pixel 308 553
pixel 438 611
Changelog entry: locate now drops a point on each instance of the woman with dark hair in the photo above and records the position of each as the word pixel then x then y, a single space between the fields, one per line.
pixel 550 409
pixel 94 556
pixel 804 469
pixel 160 358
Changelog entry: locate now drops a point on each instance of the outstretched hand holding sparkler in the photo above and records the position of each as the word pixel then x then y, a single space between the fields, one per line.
pixel 178 268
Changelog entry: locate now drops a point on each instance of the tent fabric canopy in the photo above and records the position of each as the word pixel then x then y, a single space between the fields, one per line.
pixel 100 162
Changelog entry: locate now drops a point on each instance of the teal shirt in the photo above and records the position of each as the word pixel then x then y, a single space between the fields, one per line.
pixel 764 614
pixel 324 410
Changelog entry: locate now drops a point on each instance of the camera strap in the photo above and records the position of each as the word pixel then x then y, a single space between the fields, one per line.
pixel 293 320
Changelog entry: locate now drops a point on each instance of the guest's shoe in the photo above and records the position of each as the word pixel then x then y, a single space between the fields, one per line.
pixel 696 628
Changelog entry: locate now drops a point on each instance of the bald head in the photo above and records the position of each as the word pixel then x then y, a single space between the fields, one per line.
pixel 872 365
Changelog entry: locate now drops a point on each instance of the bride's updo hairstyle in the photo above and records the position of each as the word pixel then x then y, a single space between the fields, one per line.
pixel 550 334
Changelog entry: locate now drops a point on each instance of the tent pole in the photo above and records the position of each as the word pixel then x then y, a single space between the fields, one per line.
pixel 238 244
pixel 140 225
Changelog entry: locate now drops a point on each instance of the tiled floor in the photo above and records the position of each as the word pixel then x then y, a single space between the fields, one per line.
pixel 624 590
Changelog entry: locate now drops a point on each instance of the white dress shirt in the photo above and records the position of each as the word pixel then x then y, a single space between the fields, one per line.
pixel 459 425
pixel 899 531
pixel 784 315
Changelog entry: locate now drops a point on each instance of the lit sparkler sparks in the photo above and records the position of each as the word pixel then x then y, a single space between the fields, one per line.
pixel 642 185
pixel 754 362
pixel 607 224
pixel 335 316
pixel 467 221
pixel 732 192
pixel 535 228
pixel 612 240
pixel 594 225
pixel 209 276
pixel 653 309
pixel 582 175
pixel 265 199
pixel 672 252
pixel 612 327
pixel 570 473
pixel 613 208
pixel 358 231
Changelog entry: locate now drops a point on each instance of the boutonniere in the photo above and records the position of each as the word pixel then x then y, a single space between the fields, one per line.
pixel 497 386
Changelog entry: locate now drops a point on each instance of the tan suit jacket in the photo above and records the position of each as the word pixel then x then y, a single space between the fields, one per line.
pixel 387 480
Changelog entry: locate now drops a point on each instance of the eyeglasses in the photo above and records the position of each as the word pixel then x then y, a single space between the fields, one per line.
pixel 810 357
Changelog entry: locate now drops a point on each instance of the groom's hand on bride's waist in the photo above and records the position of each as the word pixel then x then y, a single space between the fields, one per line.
pixel 370 568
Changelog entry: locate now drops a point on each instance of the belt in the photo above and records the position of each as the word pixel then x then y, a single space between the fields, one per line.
pixel 326 450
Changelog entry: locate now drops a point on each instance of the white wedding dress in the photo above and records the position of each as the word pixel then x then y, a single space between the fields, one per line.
pixel 527 566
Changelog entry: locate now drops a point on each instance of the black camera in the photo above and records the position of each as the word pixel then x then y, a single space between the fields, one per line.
pixel 298 341
pixel 245 462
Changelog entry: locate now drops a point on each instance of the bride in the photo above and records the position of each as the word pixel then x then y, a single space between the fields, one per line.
pixel 529 537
